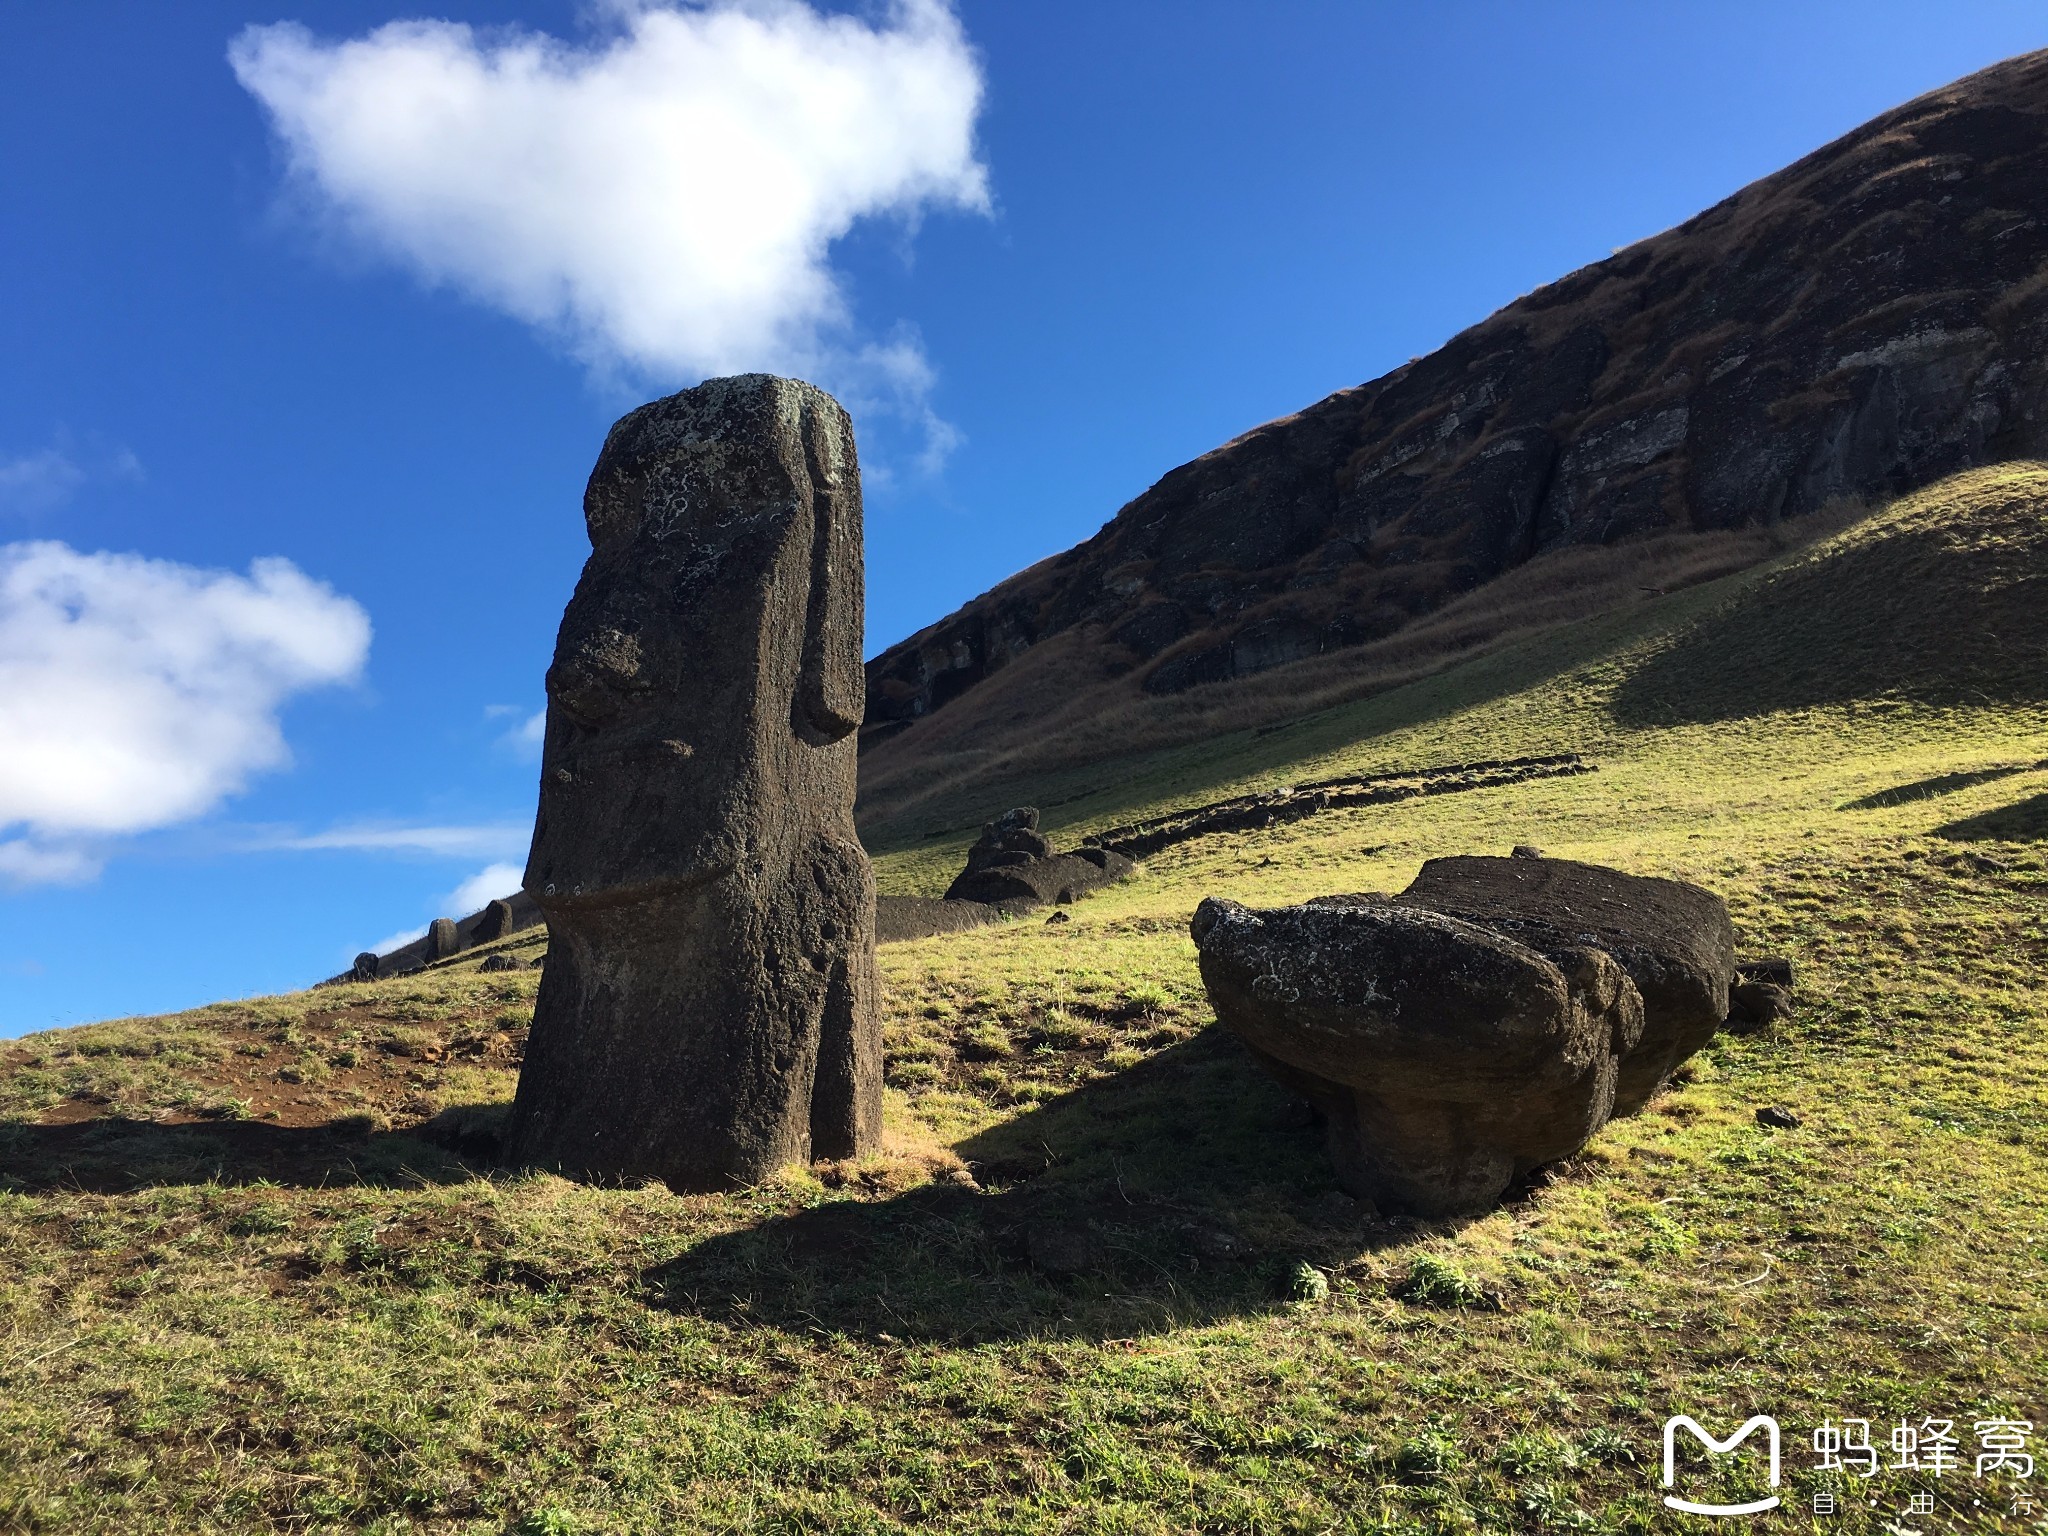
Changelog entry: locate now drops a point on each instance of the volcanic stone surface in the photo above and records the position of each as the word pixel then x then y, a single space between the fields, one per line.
pixel 707 1012
pixel 1674 940
pixel 1447 1060
pixel 1012 864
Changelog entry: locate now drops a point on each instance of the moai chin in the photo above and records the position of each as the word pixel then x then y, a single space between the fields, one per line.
pixel 707 1012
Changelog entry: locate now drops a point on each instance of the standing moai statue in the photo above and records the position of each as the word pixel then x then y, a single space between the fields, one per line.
pixel 707 1013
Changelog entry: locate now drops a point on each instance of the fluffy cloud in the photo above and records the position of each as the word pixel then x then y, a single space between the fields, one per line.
pixel 138 693
pixel 44 480
pixel 664 197
pixel 485 886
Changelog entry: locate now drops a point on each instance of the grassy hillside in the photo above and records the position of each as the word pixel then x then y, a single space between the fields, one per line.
pixel 258 1273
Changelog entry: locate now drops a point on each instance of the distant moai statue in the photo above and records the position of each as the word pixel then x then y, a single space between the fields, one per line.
pixel 708 1011
pixel 494 922
pixel 444 938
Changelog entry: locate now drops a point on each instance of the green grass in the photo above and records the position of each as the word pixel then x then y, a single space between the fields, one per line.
pixel 1149 1310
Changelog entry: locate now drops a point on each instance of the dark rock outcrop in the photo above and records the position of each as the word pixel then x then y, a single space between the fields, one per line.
pixel 365 968
pixel 1674 940
pixel 1012 864
pixel 502 963
pixel 1861 323
pixel 1487 1020
pixel 1447 1060
pixel 707 1013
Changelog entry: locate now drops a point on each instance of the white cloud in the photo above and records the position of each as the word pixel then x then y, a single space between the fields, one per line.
pixel 397 940
pixel 482 888
pixel 664 198
pixel 25 863
pixel 138 693
pixel 42 481
pixel 487 839
pixel 523 740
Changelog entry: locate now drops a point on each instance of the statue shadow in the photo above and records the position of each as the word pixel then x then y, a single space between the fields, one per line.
pixel 1186 1189
pixel 115 1154
pixel 1929 789
pixel 2024 821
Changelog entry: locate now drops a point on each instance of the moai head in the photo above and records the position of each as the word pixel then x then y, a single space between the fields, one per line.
pixel 707 679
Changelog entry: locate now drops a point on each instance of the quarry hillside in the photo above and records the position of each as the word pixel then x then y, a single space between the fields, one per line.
pixel 1859 324
pixel 262 1265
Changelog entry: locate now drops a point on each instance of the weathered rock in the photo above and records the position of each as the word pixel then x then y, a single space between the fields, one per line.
pixel 708 1011
pixel 365 968
pixel 1674 939
pixel 443 939
pixel 1774 1117
pixel 502 963
pixel 1526 851
pixel 1757 1005
pixel 494 922
pixel 1448 1060
pixel 1013 864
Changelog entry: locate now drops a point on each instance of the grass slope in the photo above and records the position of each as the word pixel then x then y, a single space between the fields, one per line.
pixel 251 1282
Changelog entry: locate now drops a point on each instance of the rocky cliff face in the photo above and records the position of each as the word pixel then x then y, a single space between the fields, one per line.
pixel 1857 325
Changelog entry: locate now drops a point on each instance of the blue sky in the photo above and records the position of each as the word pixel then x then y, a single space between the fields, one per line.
pixel 302 367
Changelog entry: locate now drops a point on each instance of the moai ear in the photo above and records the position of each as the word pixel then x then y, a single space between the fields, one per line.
pixel 831 689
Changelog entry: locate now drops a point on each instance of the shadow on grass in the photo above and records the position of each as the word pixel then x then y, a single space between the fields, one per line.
pixel 116 1155
pixel 1929 789
pixel 2024 821
pixel 1912 612
pixel 1186 1189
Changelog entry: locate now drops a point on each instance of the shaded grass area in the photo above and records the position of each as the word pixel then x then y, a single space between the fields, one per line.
pixel 1100 1278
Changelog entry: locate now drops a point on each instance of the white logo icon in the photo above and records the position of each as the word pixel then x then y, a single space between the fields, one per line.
pixel 1715 1447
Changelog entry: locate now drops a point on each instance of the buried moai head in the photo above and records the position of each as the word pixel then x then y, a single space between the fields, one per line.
pixel 713 643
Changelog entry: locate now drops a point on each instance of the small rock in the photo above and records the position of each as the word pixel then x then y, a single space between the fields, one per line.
pixel 1525 851
pixel 501 963
pixel 1756 1005
pixel 1059 917
pixel 365 968
pixel 1777 1119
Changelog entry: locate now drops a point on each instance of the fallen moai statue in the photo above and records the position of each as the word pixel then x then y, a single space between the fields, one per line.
pixel 708 1011
pixel 1013 864
pixel 1486 1021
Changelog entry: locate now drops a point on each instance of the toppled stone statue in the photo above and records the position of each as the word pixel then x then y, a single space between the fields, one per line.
pixel 1452 1052
pixel 707 1012
pixel 1674 940
pixel 1013 864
